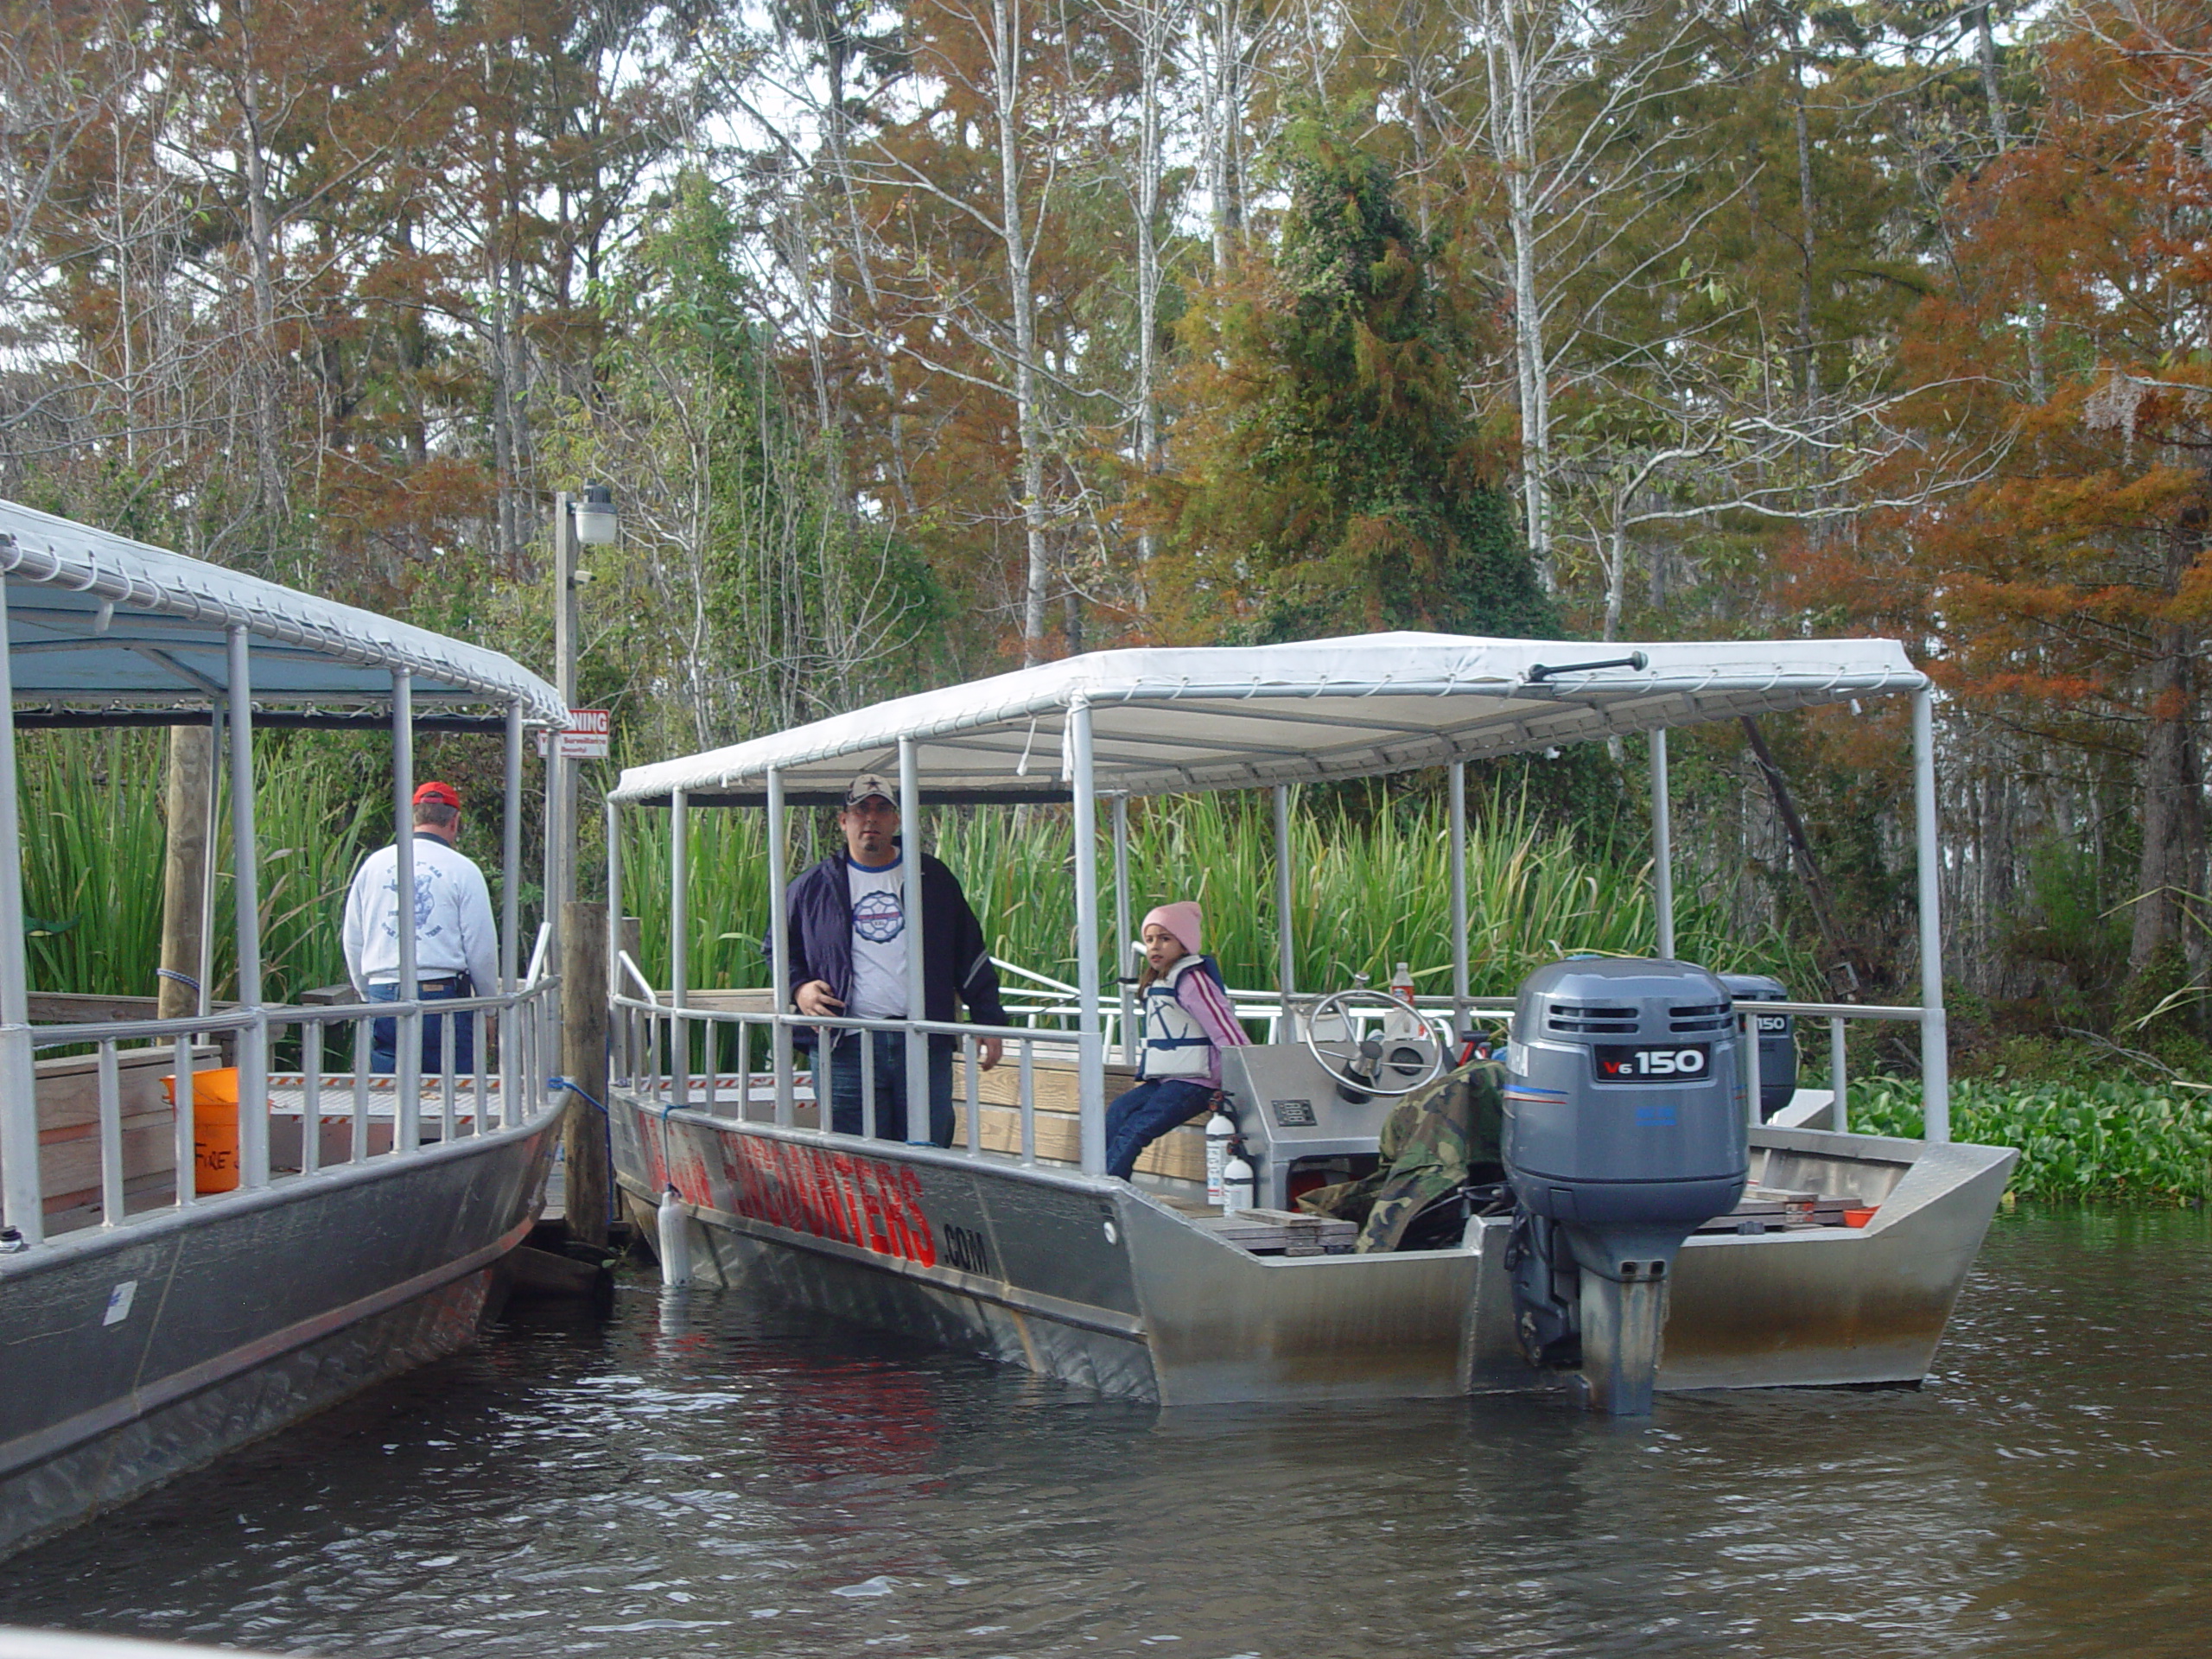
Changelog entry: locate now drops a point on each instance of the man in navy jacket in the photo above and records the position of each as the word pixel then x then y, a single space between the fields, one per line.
pixel 849 942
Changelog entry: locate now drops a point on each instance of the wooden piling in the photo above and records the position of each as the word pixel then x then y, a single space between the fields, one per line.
pixel 184 875
pixel 583 1062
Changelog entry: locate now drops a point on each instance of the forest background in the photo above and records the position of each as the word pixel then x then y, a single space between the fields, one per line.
pixel 922 339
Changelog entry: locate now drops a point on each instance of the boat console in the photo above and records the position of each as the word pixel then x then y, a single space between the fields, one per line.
pixel 1294 1118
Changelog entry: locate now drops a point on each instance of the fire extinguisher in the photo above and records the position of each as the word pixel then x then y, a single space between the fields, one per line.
pixel 1221 1129
pixel 1239 1188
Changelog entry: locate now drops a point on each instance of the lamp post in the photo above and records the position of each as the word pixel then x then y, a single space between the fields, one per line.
pixel 580 930
pixel 587 520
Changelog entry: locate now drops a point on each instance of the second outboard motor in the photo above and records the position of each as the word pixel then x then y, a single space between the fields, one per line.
pixel 1625 1132
pixel 1777 1034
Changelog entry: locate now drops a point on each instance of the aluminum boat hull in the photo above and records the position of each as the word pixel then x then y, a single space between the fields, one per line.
pixel 1096 1283
pixel 137 1353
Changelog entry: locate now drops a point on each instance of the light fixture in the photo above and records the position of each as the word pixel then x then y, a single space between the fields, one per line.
pixel 594 516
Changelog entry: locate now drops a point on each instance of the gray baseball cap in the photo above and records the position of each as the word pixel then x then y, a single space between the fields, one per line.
pixel 870 783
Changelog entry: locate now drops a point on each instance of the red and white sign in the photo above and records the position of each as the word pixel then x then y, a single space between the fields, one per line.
pixel 586 738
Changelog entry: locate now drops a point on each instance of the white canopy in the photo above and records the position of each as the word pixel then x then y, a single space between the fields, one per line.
pixel 1166 721
pixel 99 620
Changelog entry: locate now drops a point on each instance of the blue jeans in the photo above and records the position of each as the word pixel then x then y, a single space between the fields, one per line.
pixel 890 1086
pixel 383 1036
pixel 1140 1117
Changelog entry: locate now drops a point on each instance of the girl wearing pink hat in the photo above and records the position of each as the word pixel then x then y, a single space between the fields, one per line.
pixel 1187 1022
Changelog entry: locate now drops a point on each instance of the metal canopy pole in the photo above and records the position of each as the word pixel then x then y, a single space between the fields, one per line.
pixel 1121 929
pixel 19 1157
pixel 207 883
pixel 558 876
pixel 910 877
pixel 1663 845
pixel 679 949
pixel 679 898
pixel 246 892
pixel 1934 1036
pixel 1091 1056
pixel 407 1029
pixel 779 959
pixel 511 855
pixel 613 814
pixel 1458 807
pixel 1285 944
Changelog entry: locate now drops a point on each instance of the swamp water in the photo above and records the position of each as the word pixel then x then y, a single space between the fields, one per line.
pixel 700 1476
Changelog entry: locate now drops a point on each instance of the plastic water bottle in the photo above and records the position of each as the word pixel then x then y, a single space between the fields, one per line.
pixel 1403 1022
pixel 675 1241
pixel 1221 1129
pixel 1239 1188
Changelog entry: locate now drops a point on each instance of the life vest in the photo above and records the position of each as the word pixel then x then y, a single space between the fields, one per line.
pixel 1175 1044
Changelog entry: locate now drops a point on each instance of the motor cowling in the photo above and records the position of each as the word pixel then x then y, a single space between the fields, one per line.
pixel 1777 1039
pixel 1625 1132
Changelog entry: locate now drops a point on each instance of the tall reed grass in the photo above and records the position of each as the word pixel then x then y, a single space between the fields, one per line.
pixel 94 839
pixel 2111 1139
pixel 1366 895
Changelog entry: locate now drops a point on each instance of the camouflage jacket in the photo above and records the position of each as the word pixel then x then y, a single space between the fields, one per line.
pixel 1438 1137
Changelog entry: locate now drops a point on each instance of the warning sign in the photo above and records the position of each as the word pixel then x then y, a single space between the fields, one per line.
pixel 587 734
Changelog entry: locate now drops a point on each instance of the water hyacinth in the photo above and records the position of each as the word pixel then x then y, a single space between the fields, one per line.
pixel 2114 1139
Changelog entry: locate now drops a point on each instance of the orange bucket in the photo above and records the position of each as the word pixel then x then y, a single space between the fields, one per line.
pixel 1858 1217
pixel 214 1127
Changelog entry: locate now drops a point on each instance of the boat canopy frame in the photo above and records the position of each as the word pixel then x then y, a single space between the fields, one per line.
pixel 104 629
pixel 1122 724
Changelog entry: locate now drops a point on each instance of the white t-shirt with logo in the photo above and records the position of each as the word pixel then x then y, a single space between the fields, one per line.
pixel 879 990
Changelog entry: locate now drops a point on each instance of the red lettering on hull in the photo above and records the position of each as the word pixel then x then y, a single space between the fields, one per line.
pixel 855 1200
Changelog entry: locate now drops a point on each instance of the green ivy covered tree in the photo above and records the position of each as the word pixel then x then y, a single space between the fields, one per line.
pixel 1333 476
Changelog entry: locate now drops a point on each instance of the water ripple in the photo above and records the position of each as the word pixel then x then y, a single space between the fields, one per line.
pixel 708 1478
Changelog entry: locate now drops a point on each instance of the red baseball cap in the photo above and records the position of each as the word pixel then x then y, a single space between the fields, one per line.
pixel 439 795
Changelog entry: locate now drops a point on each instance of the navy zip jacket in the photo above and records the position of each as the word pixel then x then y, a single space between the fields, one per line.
pixel 956 962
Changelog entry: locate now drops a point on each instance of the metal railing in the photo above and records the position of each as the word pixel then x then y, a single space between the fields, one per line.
pixel 673 1053
pixel 377 1115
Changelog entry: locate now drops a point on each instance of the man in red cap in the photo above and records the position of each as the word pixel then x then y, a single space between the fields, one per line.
pixel 456 943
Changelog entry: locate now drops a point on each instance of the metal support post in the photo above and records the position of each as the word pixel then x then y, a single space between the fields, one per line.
pixel 562 886
pixel 246 892
pixel 1285 941
pixel 407 1029
pixel 1460 1032
pixel 615 986
pixel 1754 1085
pixel 1840 1111
pixel 1934 1037
pixel 679 945
pixel 1121 931
pixel 1091 1056
pixel 559 874
pixel 780 960
pixel 1663 845
pixel 910 880
pixel 680 899
pixel 19 1155
pixel 511 854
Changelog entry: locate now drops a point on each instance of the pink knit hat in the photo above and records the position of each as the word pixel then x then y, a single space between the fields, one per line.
pixel 1180 919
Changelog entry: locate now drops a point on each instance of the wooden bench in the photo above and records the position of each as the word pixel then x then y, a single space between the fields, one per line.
pixel 1179 1154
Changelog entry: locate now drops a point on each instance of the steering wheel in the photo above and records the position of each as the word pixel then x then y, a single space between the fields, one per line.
pixel 1389 1066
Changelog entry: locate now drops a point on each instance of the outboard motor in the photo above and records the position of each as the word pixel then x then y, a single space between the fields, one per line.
pixel 1777 1034
pixel 1625 1132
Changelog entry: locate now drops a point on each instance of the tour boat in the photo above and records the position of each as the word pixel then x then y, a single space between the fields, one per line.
pixel 165 1296
pixel 1836 1258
